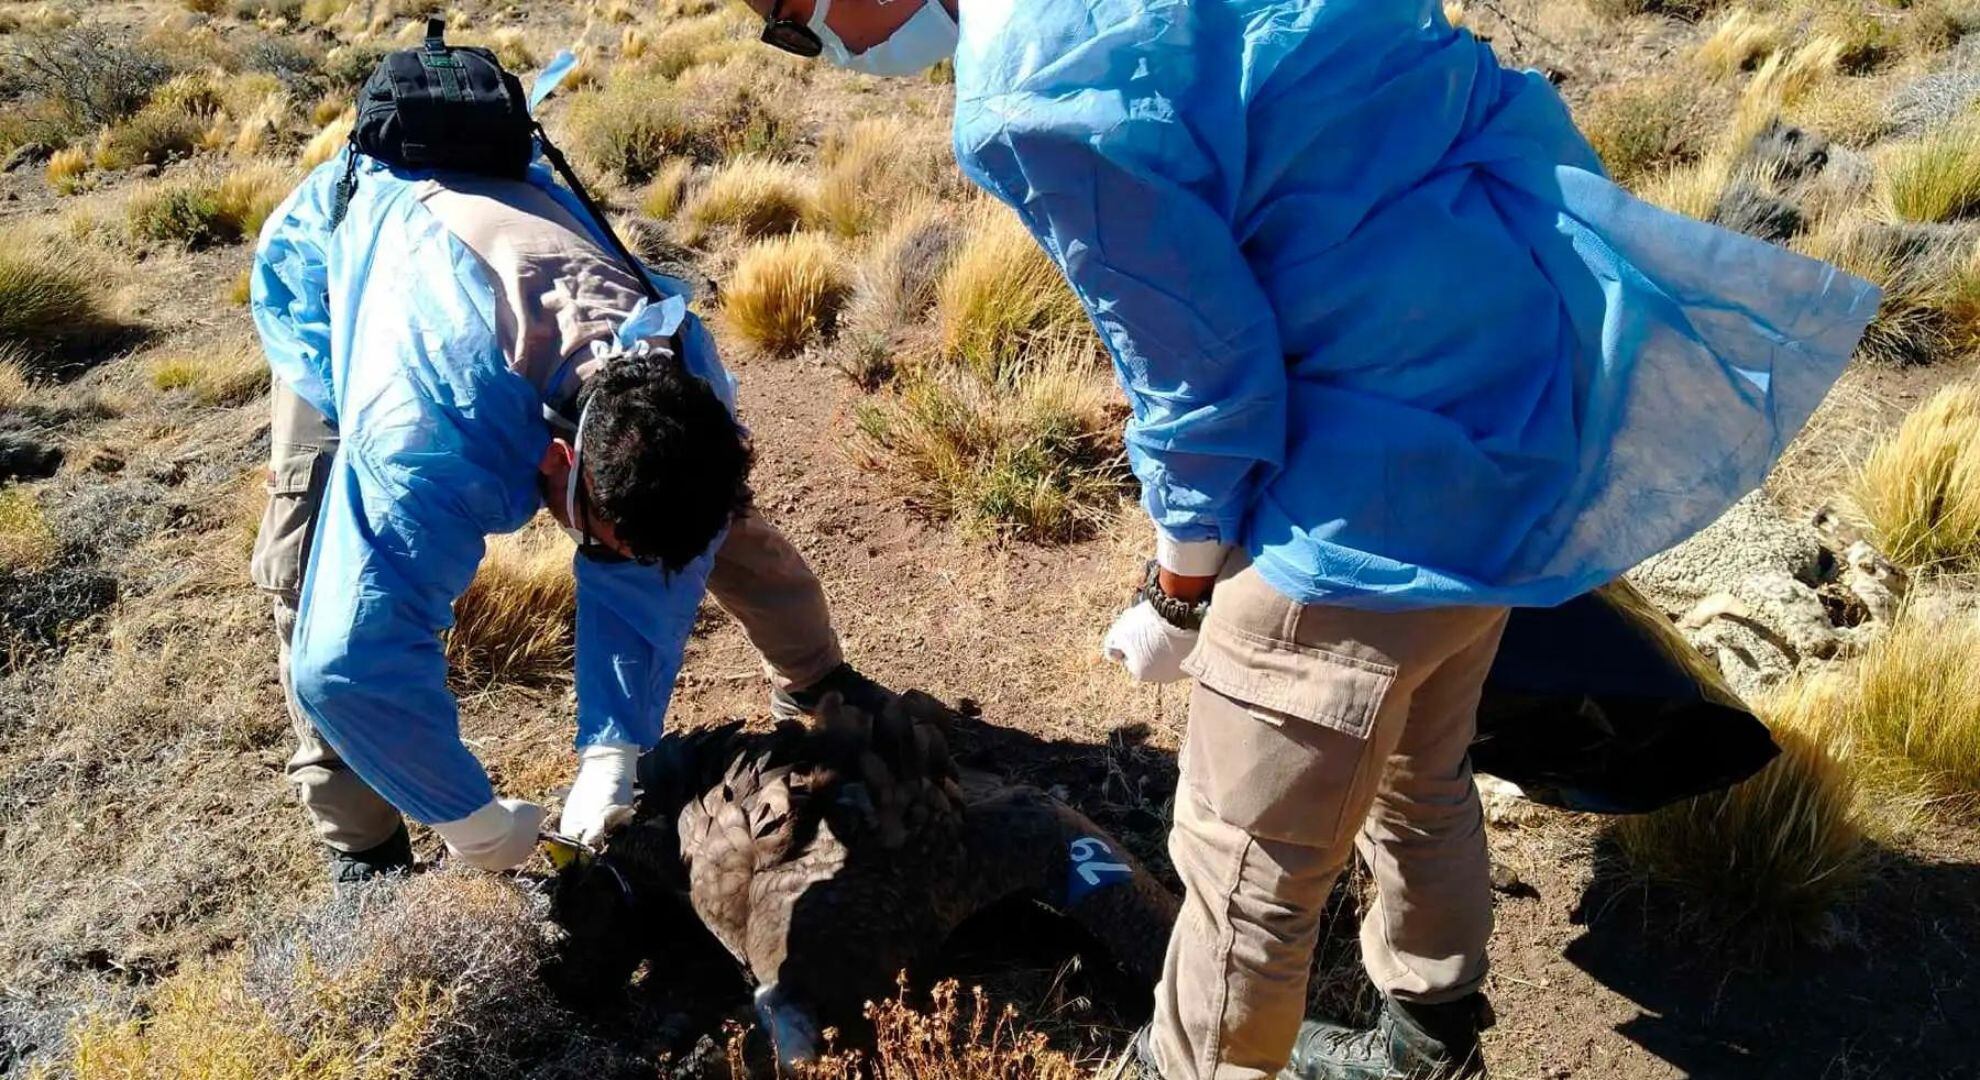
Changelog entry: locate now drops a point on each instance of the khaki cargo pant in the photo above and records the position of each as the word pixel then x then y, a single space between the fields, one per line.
pixel 1313 729
pixel 758 577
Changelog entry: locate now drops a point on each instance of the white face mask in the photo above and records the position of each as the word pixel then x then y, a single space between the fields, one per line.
pixel 927 38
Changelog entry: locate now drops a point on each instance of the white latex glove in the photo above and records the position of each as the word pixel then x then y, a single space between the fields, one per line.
pixel 499 836
pixel 1147 645
pixel 601 797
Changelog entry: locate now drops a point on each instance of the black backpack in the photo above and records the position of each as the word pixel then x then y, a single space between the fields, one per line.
pixel 443 106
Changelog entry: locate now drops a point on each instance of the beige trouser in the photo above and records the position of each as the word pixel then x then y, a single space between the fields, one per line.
pixel 758 577
pixel 1310 729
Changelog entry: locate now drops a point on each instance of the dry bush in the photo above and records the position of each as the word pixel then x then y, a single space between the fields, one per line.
pixel 94 75
pixel 753 196
pixel 669 186
pixel 785 293
pixel 1000 293
pixel 1935 177
pixel 240 289
pixel 26 540
pixel 1742 39
pixel 638 119
pixel 67 170
pixel 872 167
pixel 1640 125
pixel 679 45
pixel 513 624
pixel 222 377
pixel 1920 486
pixel 159 132
pixel 957 1038
pixel 1765 863
pixel 1686 10
pixel 204 209
pixel 432 977
pixel 1786 79
pixel 1036 457
pixel 1867 33
pixel 48 303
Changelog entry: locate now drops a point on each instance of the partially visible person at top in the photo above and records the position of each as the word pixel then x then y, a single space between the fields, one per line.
pixel 1400 356
pixel 460 352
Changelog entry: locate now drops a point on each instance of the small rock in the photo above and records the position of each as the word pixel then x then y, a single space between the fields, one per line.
pixel 1505 879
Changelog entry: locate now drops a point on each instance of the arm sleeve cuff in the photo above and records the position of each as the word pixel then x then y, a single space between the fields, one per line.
pixel 1190 558
pixel 481 829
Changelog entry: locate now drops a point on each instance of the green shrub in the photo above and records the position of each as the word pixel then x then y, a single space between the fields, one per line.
pixel 186 213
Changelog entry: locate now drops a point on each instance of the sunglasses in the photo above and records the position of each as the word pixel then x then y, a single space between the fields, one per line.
pixel 790 35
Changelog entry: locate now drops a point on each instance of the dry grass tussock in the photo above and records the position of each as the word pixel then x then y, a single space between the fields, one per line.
pixel 14 386
pixel 1906 713
pixel 26 540
pixel 750 196
pixel 48 304
pixel 330 141
pixel 1640 126
pixel 669 186
pixel 785 294
pixel 898 281
pixel 1920 487
pixel 1766 863
pixel 432 977
pixel 1935 177
pixel 513 624
pixel 1035 457
pixel 223 377
pixel 1742 39
pixel 639 118
pixel 1000 293
pixel 1931 304
pixel 203 209
pixel 872 167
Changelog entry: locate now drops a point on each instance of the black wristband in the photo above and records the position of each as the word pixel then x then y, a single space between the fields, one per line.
pixel 1181 614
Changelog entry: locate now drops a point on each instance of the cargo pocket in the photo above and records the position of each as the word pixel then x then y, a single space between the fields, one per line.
pixel 1278 733
pixel 295 492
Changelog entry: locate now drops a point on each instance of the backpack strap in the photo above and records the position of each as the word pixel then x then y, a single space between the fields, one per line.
pixel 625 254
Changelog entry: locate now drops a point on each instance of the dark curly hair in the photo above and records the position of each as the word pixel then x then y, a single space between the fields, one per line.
pixel 669 467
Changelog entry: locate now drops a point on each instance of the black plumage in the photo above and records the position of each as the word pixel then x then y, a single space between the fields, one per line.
pixel 827 858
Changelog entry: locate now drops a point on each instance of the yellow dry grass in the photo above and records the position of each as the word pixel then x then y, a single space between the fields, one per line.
pixel 1638 127
pixel 1848 111
pixel 875 165
pixel 663 195
pixel 1920 486
pixel 1905 716
pixel 67 169
pixel 13 383
pixel 513 624
pixel 1783 81
pixel 26 539
pixel 1000 293
pixel 785 293
pixel 1034 456
pixel 326 144
pixel 1768 861
pixel 1742 39
pixel 1921 318
pixel 751 196
pixel 1935 177
pixel 47 299
pixel 222 377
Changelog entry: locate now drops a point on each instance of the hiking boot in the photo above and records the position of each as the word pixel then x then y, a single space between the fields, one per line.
pixel 1409 1041
pixel 394 856
pixel 853 688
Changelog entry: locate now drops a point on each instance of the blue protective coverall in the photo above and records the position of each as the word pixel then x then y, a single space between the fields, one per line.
pixel 387 325
pixel 1383 321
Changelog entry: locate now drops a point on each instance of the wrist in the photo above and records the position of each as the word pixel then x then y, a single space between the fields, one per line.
pixel 1183 613
pixel 480 830
pixel 1189 558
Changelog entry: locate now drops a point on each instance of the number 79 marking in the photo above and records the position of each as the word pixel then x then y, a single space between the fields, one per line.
pixel 1086 853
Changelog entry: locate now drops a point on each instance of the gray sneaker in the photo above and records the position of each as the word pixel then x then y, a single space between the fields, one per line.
pixel 1409 1041
pixel 853 688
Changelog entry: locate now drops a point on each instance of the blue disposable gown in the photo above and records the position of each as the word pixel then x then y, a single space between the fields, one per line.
pixel 1382 320
pixel 387 325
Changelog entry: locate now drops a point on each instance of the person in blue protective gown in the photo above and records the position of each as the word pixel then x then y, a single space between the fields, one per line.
pixel 1400 356
pixel 457 353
